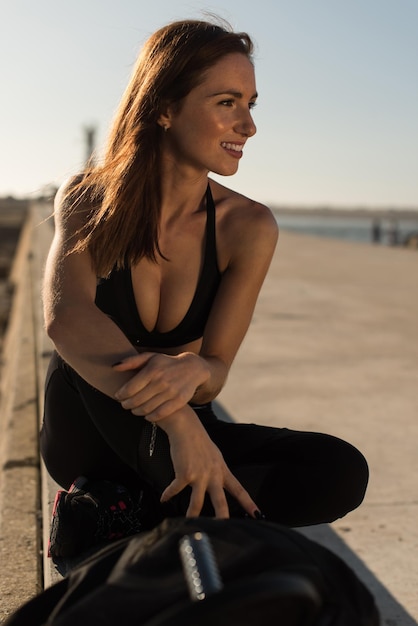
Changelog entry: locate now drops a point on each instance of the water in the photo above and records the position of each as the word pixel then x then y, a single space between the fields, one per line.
pixel 351 228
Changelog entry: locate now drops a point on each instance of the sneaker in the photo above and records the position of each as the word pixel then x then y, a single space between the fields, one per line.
pixel 92 513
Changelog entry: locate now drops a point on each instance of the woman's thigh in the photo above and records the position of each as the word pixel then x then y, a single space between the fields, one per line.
pixel 71 445
pixel 297 478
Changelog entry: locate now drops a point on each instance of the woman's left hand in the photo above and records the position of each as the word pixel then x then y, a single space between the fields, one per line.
pixel 162 384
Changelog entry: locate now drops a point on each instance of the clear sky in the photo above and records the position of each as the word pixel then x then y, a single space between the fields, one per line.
pixel 338 82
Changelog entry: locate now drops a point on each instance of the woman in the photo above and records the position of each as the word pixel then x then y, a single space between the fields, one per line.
pixel 150 287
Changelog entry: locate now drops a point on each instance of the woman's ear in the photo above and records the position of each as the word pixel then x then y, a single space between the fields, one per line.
pixel 163 122
pixel 165 117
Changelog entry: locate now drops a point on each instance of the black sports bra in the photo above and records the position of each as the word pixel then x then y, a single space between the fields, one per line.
pixel 115 297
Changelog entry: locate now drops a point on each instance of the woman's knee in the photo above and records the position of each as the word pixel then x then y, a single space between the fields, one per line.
pixel 356 473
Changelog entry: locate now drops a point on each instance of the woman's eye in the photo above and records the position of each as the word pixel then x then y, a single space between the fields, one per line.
pixel 230 103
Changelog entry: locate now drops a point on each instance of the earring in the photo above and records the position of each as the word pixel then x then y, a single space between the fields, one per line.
pixel 166 127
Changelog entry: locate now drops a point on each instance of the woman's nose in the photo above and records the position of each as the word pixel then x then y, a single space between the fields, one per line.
pixel 245 125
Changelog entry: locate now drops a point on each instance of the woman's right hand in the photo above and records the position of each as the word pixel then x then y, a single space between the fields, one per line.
pixel 198 463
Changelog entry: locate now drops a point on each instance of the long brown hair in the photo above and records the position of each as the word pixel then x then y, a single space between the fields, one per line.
pixel 123 192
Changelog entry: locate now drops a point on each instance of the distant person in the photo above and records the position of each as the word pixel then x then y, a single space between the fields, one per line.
pixel 393 234
pixel 376 231
pixel 150 286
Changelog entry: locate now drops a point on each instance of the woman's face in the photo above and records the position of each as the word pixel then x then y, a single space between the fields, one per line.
pixel 209 130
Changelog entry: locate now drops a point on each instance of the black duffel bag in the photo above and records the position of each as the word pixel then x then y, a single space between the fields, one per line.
pixel 205 571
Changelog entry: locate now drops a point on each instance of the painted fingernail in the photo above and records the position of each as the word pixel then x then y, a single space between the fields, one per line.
pixel 259 515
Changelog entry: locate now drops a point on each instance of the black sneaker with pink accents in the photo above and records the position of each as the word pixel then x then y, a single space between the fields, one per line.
pixel 93 513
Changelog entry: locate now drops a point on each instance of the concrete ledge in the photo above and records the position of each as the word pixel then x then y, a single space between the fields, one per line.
pixel 42 234
pixel 26 491
pixel 20 521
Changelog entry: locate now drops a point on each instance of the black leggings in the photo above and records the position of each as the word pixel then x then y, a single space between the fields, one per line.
pixel 296 478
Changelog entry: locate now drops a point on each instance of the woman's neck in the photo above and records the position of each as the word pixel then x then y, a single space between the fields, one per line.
pixel 181 194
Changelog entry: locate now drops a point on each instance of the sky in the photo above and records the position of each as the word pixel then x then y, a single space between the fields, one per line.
pixel 337 115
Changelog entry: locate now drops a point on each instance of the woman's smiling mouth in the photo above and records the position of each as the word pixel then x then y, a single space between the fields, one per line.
pixel 235 149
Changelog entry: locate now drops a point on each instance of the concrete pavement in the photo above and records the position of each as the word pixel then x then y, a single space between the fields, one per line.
pixel 333 347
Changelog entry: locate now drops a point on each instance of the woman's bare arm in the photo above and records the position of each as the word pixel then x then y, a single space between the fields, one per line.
pixel 83 335
pixel 251 243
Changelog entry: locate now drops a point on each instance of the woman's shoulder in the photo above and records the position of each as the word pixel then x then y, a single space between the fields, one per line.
pixel 236 211
pixel 72 201
pixel 245 229
pixel 67 189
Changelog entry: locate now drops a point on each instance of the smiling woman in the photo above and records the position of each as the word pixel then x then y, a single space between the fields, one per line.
pixel 150 286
